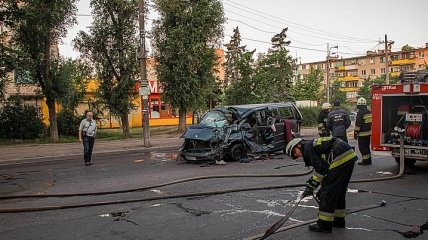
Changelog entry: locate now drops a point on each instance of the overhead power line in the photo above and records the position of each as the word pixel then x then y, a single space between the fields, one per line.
pixel 297 25
pixel 296 47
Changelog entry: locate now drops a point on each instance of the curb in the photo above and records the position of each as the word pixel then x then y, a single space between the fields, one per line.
pixel 21 161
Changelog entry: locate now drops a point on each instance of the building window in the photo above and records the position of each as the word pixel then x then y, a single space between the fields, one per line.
pixel 323 66
pixel 303 67
pixel 421 55
pixel 372 71
pixel 382 70
pixel 382 59
pixel 372 60
pixel 363 73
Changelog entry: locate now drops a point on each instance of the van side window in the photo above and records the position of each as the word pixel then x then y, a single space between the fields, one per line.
pixel 286 113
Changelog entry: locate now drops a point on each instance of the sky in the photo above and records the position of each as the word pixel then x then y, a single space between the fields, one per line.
pixel 355 26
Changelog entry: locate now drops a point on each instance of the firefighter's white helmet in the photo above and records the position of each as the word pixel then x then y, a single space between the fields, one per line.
pixel 291 145
pixel 326 106
pixel 361 101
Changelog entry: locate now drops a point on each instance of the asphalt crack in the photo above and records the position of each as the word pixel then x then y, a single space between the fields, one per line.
pixel 194 212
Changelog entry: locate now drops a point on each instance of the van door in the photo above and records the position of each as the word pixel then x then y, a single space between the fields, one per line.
pixel 279 134
pixel 290 114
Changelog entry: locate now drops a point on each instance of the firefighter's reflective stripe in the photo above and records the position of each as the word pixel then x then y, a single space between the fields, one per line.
pixel 367 118
pixel 325 216
pixel 357 128
pixel 368 156
pixel 343 158
pixel 317 177
pixel 364 134
pixel 340 213
pixel 319 141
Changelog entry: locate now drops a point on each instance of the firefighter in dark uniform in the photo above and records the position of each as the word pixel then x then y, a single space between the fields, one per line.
pixel 333 161
pixel 322 120
pixel 338 122
pixel 362 132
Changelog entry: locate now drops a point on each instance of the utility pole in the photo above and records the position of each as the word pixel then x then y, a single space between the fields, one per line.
pixel 144 89
pixel 328 70
pixel 328 73
pixel 387 45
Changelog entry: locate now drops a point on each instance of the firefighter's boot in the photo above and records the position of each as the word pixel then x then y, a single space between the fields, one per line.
pixel 339 222
pixel 369 162
pixel 321 226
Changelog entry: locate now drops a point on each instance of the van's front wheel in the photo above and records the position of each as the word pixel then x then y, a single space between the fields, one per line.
pixel 237 151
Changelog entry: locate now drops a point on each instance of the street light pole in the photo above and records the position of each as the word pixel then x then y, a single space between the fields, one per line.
pixel 328 73
pixel 144 89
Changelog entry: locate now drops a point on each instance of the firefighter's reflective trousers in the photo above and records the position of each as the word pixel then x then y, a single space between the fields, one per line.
pixel 364 146
pixel 333 195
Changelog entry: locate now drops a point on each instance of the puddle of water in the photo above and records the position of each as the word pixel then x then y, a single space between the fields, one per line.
pixel 156 205
pixel 384 173
pixel 352 190
pixel 163 157
pixel 138 161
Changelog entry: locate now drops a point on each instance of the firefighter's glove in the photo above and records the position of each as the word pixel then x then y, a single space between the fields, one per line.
pixel 311 185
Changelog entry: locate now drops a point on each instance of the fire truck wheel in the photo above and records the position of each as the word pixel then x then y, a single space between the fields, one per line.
pixel 407 162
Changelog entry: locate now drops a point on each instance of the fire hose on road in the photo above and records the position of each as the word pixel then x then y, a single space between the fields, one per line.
pixel 209 193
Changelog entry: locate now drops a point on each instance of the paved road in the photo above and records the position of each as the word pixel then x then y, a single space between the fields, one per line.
pixel 227 216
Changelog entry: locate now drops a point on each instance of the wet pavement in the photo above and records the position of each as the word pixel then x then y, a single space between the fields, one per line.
pixel 224 216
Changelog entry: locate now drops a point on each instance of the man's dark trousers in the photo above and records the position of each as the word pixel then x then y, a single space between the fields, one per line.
pixel 333 196
pixel 364 146
pixel 88 146
pixel 344 138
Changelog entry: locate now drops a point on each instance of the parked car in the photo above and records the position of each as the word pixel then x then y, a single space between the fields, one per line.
pixel 230 133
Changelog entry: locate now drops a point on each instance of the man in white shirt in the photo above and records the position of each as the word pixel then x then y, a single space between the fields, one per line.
pixel 87 131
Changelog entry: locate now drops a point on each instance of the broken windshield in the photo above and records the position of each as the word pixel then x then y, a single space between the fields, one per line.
pixel 214 119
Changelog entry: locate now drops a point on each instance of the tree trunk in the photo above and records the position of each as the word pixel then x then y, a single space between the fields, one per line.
pixel 53 124
pixel 181 120
pixel 125 125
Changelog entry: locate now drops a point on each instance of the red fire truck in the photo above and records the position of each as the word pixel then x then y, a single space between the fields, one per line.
pixel 402 109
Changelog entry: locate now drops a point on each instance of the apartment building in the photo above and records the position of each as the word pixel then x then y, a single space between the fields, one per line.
pixel 351 72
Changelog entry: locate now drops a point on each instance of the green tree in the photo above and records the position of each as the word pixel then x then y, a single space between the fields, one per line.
pixel 309 88
pixel 184 38
pixel 234 52
pixel 407 47
pixel 111 45
pixel 38 25
pixel 366 89
pixel 241 90
pixel 72 78
pixel 274 71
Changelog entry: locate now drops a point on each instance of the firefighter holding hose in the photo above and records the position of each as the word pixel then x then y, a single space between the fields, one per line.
pixel 333 162
pixel 363 131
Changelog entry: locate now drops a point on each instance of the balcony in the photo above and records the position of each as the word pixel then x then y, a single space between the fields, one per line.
pixel 340 68
pixel 402 62
pixel 395 74
pixel 348 78
pixel 350 89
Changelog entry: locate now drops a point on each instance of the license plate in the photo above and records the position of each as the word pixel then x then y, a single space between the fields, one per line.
pixel 191 158
pixel 414 151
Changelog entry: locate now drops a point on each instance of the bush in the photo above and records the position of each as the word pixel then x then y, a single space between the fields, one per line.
pixel 310 116
pixel 19 121
pixel 68 123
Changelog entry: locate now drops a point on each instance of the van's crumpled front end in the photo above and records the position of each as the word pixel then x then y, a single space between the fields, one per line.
pixel 203 143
